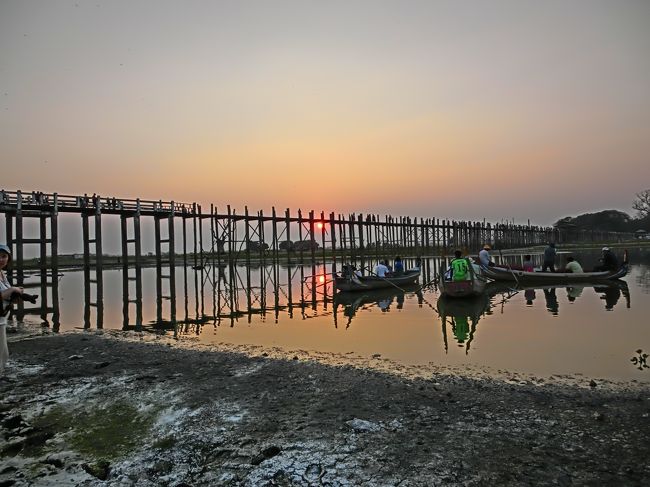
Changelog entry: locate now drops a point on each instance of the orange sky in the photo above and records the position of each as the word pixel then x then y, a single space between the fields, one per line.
pixel 497 110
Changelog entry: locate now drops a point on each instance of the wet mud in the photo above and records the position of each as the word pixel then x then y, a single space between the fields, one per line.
pixel 126 409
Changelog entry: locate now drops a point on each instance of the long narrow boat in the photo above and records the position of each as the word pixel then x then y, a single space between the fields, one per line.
pixel 462 289
pixel 523 277
pixel 364 283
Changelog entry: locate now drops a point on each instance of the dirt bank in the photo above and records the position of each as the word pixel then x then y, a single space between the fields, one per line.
pixel 120 409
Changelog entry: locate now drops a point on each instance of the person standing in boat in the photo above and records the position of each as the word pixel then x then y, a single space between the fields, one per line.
pixel 573 266
pixel 549 258
pixel 398 267
pixel 484 257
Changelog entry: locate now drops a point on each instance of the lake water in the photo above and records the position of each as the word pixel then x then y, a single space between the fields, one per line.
pixel 595 331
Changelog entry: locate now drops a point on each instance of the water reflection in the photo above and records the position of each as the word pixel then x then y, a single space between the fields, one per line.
pixel 350 303
pixel 610 292
pixel 231 303
pixel 462 316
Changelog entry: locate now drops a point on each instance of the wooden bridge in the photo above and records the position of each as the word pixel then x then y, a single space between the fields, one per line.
pixel 232 239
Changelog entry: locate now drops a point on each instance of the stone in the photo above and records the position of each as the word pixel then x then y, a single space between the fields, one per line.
pixel 361 425
pixel 99 469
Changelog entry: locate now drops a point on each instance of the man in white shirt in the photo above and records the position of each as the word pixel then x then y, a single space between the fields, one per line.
pixel 573 266
pixel 484 256
pixel 381 270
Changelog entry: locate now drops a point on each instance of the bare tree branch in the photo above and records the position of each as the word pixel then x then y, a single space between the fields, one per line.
pixel 642 203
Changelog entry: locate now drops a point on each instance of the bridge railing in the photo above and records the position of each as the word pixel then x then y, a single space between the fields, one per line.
pixel 57 201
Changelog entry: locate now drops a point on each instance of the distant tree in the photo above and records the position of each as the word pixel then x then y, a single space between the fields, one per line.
pixel 642 204
pixel 607 220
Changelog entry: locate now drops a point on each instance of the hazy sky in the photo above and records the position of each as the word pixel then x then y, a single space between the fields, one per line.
pixel 485 109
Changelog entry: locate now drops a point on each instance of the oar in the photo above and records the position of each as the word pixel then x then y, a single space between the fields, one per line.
pixel 391 283
pixel 509 268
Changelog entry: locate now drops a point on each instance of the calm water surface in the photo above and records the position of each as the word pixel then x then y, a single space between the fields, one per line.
pixel 589 330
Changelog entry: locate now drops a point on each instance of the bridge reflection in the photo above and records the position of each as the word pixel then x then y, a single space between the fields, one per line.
pixel 227 295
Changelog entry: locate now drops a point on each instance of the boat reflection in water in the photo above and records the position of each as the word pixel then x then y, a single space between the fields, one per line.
pixel 610 292
pixel 463 315
pixel 384 299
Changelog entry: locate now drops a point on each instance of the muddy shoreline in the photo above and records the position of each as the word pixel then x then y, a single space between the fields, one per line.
pixel 120 408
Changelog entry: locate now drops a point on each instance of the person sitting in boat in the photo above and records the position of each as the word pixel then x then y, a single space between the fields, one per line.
pixel 382 269
pixel 398 268
pixel 459 267
pixel 484 257
pixel 609 262
pixel 549 258
pixel 528 264
pixel 573 266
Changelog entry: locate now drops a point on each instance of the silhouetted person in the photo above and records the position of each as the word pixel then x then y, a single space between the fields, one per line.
pixel 529 295
pixel 398 267
pixel 609 262
pixel 549 258
pixel 551 301
pixel 611 296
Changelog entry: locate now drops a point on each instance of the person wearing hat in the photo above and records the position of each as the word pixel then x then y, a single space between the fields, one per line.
pixel 609 262
pixel 484 256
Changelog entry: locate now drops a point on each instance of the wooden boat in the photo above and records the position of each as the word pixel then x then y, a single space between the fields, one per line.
pixel 462 289
pixel 365 283
pixel 523 277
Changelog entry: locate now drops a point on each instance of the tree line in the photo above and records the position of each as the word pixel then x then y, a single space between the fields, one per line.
pixel 613 220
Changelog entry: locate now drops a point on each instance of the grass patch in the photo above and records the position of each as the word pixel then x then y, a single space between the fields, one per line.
pixel 110 432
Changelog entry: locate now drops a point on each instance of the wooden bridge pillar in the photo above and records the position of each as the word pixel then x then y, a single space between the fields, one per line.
pixel 136 241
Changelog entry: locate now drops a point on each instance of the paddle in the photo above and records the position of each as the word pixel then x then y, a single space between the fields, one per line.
pixel 389 282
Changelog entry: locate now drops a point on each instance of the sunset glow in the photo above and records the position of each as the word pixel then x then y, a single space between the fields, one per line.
pixel 397 110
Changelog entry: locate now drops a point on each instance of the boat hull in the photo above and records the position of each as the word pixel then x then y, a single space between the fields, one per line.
pixel 523 277
pixel 365 283
pixel 463 289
